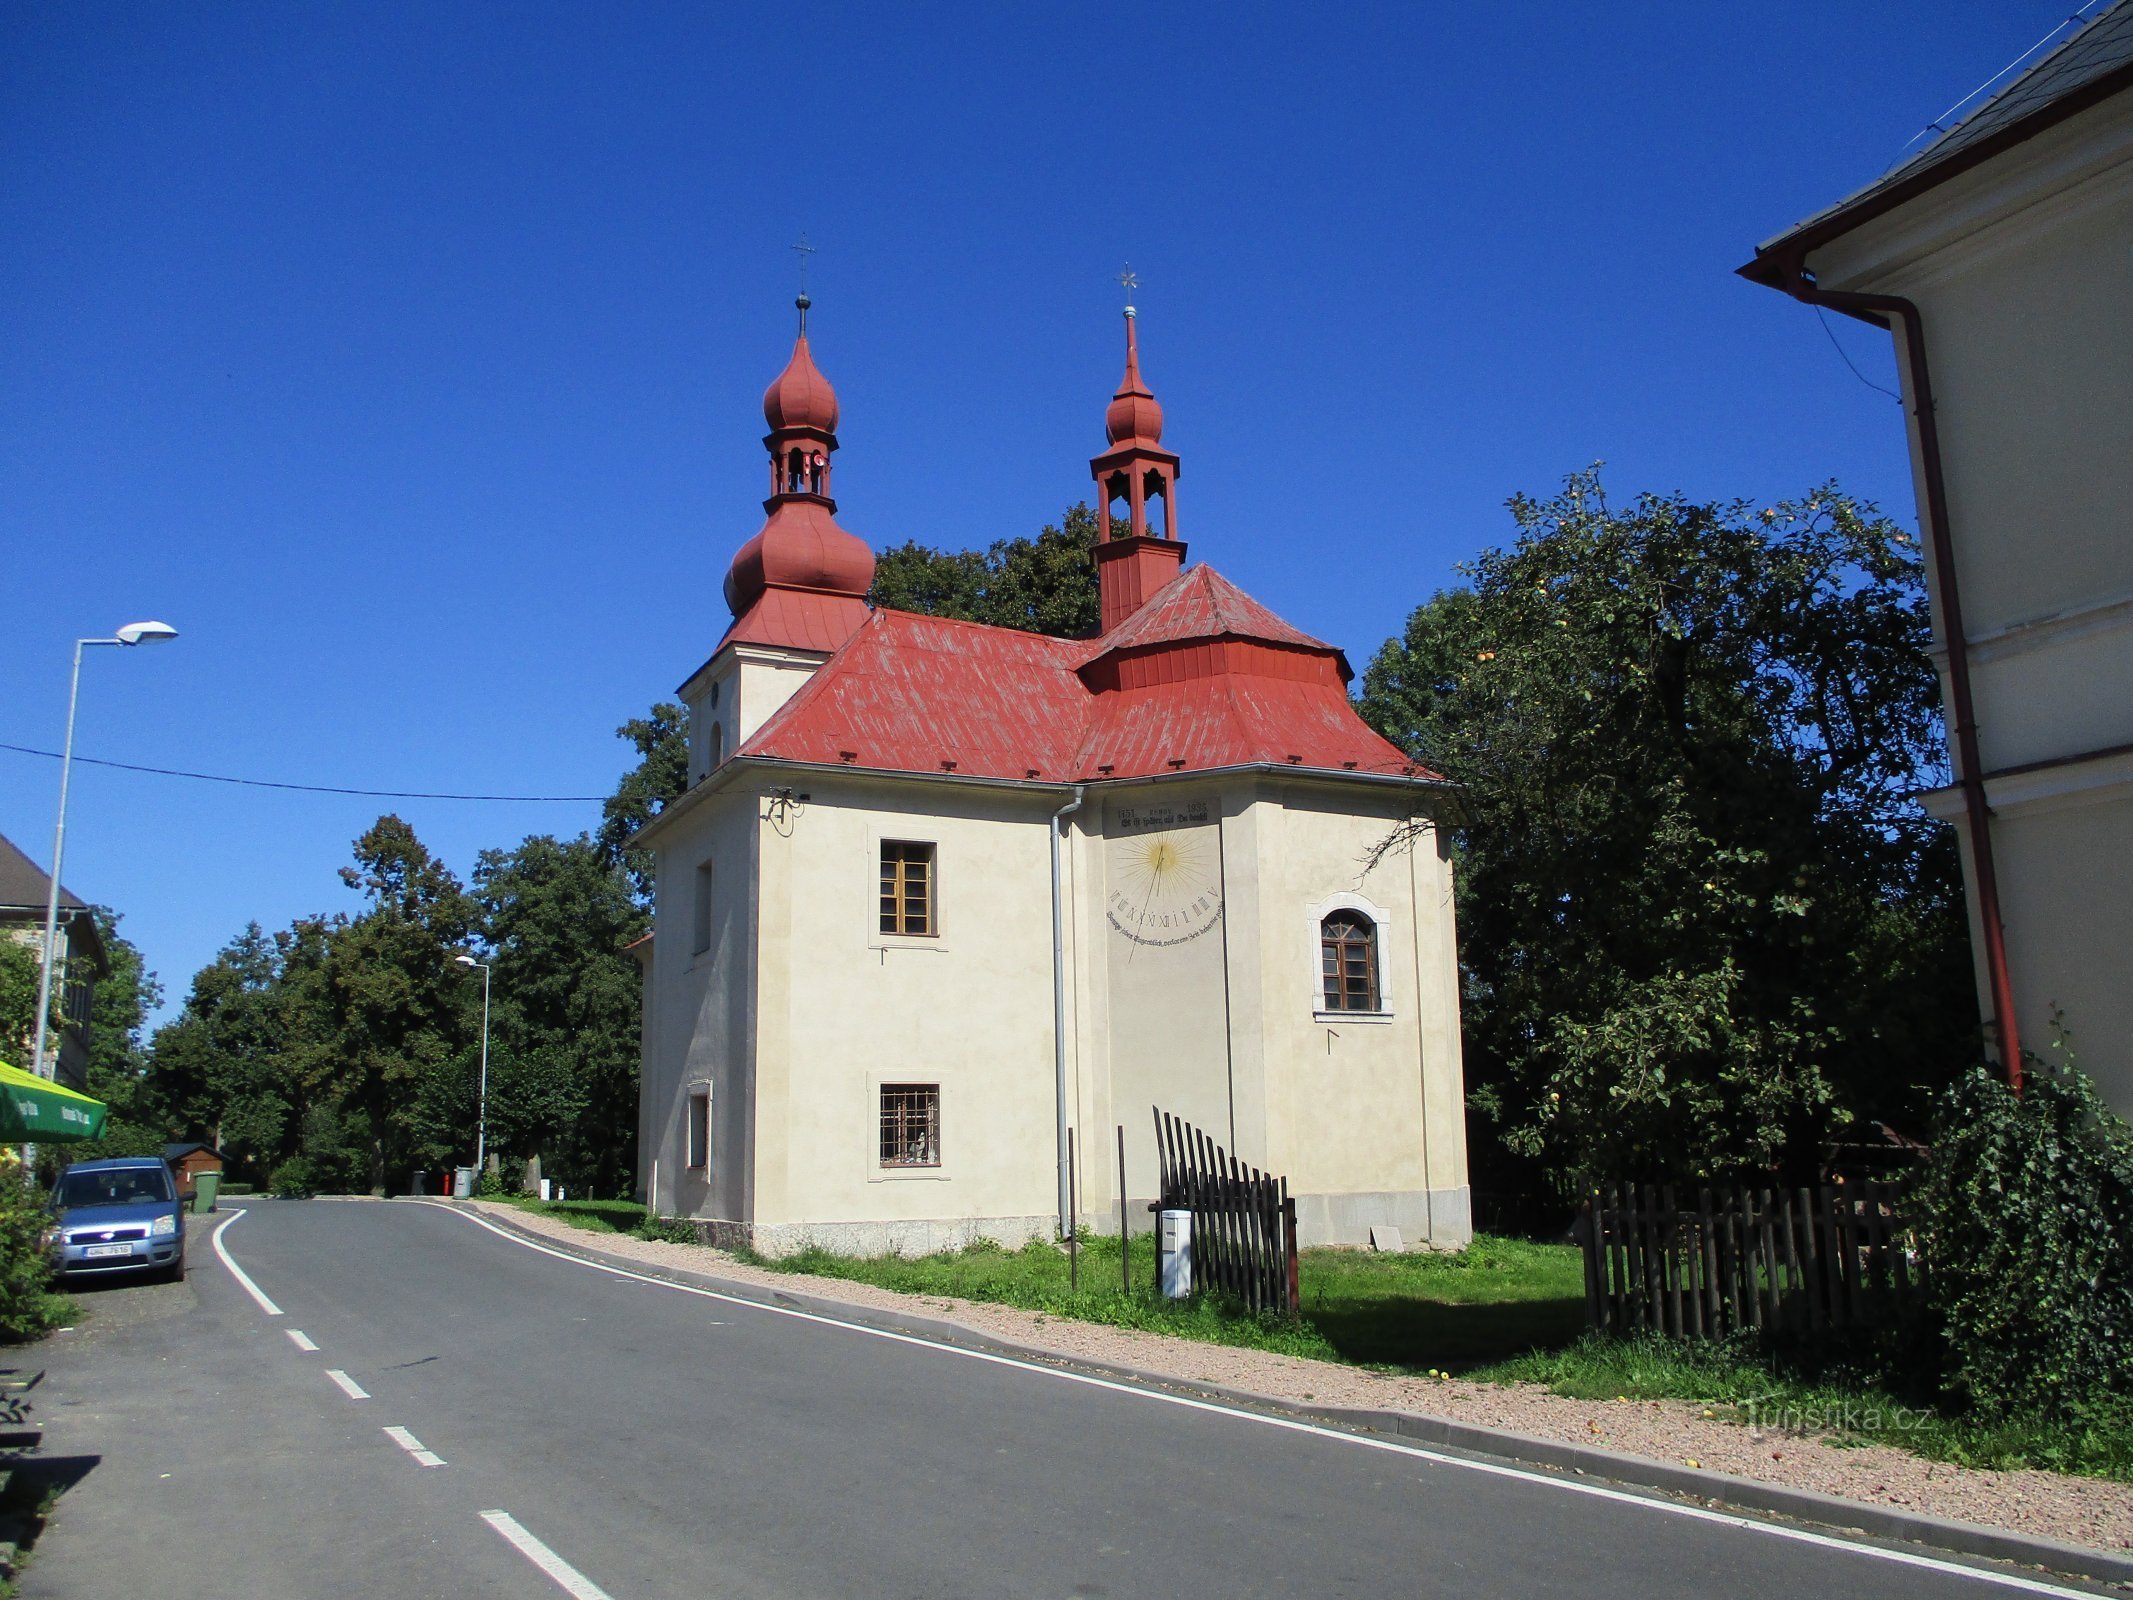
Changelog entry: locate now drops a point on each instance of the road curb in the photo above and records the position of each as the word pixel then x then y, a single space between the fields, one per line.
pixel 1713 1489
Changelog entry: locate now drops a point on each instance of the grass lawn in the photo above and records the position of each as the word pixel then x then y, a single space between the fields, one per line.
pixel 1400 1312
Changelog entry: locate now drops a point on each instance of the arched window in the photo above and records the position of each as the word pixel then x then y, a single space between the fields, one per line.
pixel 717 743
pixel 1348 961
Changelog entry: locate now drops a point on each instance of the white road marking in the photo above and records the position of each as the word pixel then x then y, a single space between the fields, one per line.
pixel 568 1578
pixel 413 1446
pixel 1902 1558
pixel 349 1387
pixel 301 1339
pixel 243 1278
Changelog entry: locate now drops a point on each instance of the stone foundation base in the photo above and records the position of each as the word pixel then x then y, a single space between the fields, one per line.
pixel 1439 1219
pixel 1428 1219
pixel 919 1238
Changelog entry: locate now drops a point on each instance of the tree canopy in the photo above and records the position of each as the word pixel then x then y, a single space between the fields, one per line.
pixel 1041 585
pixel 1703 924
pixel 345 1050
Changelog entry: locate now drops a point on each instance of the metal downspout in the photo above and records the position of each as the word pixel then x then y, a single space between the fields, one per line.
pixel 1977 821
pixel 1059 1072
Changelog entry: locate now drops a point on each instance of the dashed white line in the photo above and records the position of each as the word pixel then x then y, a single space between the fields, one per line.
pixel 414 1447
pixel 300 1339
pixel 349 1387
pixel 243 1278
pixel 1495 1469
pixel 568 1578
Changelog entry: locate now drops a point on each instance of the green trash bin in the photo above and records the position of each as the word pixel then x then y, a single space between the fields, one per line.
pixel 205 1187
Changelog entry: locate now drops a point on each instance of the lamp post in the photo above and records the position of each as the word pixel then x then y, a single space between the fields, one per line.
pixel 481 1115
pixel 132 634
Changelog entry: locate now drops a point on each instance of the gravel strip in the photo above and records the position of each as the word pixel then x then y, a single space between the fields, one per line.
pixel 2044 1505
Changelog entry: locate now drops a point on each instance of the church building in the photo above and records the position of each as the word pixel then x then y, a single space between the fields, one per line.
pixel 939 892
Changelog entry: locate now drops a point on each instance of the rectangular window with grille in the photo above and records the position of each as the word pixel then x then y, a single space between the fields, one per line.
pixel 910 1124
pixel 907 888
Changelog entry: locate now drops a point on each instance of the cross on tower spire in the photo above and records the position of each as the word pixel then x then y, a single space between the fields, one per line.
pixel 804 250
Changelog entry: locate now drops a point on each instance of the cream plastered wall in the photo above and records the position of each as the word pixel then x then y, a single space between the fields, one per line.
pixel 845 1009
pixel 1159 943
pixel 700 1025
pixel 735 693
pixel 1365 1113
pixel 2023 272
pixel 1221 1023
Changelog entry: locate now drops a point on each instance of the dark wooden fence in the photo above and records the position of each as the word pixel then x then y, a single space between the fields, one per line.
pixel 1243 1221
pixel 1700 1263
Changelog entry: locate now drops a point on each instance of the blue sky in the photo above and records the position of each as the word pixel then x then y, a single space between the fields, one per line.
pixel 409 358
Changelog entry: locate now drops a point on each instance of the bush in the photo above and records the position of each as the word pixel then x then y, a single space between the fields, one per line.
pixel 2025 1223
pixel 293 1179
pixel 28 1307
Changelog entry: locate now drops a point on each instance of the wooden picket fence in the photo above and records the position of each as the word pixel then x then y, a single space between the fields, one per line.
pixel 1243 1220
pixel 1800 1260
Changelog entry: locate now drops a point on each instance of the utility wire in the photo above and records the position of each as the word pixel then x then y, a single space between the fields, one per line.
pixel 305 788
pixel 1862 377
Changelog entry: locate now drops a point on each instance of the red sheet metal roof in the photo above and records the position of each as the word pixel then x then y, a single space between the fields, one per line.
pixel 1199 603
pixel 798 619
pixel 921 694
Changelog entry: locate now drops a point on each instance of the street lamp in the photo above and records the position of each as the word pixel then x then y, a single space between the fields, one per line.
pixel 481 1116
pixel 132 634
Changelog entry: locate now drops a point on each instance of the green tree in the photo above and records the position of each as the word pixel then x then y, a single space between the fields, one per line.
pixel 222 1066
pixel 662 772
pixel 1041 585
pixel 1703 924
pixel 18 1000
pixel 138 1122
pixel 558 917
pixel 395 1059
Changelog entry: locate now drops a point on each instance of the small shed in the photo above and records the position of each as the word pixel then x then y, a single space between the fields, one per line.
pixel 188 1161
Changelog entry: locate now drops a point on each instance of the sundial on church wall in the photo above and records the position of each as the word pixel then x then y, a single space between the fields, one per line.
pixel 1164 864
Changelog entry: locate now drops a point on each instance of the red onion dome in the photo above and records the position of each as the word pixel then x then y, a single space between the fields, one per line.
pixel 801 397
pixel 800 547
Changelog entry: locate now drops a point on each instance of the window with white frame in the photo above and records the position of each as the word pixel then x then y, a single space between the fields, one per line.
pixel 700 1127
pixel 1348 962
pixel 907 888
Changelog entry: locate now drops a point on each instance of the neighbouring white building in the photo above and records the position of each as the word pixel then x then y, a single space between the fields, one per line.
pixel 82 961
pixel 2001 260
pixel 939 892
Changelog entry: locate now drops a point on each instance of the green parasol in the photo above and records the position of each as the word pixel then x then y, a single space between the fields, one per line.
pixel 40 1111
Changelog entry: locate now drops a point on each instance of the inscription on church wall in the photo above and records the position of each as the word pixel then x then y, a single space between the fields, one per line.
pixel 1141 819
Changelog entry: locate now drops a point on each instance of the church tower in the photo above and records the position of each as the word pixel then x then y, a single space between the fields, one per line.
pixel 797 590
pixel 1140 552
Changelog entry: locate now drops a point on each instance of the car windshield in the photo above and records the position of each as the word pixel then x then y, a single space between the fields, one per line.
pixel 119 1186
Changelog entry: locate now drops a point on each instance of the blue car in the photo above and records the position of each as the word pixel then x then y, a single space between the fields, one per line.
pixel 118 1216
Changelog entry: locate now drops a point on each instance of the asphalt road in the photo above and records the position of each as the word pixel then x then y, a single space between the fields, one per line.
pixel 640 1440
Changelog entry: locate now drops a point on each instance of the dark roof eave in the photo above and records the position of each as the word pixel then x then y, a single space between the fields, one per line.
pixel 1777 260
pixel 693 796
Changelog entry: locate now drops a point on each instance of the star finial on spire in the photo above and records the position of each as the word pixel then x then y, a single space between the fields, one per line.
pixel 1128 282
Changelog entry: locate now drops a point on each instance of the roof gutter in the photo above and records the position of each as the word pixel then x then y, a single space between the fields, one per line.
pixel 1788 272
pixel 1059 1073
